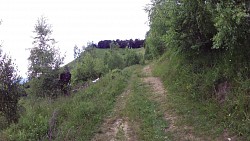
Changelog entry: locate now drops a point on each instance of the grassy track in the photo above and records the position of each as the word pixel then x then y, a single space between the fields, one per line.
pixel 145 114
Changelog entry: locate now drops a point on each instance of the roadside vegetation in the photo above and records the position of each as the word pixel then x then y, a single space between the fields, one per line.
pixel 202 51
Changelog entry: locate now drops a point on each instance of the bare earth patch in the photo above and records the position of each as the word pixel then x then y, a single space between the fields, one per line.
pixel 116 127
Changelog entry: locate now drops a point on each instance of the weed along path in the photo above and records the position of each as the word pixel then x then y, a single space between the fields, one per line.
pixel 174 130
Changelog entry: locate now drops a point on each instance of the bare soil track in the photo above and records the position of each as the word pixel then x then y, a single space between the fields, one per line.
pixel 117 127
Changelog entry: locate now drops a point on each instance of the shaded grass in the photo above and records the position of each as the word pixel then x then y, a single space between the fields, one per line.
pixel 69 118
pixel 145 114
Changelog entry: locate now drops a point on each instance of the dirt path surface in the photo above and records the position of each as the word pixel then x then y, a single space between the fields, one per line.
pixel 183 133
pixel 116 127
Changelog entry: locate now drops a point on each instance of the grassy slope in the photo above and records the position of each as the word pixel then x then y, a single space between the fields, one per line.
pixel 207 117
pixel 74 118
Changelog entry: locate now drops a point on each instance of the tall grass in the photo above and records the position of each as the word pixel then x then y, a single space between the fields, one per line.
pixel 69 118
pixel 191 85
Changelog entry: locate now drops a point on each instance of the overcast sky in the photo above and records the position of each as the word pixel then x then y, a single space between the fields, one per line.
pixel 74 22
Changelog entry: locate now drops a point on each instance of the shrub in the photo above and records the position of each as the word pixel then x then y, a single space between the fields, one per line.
pixel 113 60
pixel 46 85
pixel 132 58
pixel 88 68
pixel 9 89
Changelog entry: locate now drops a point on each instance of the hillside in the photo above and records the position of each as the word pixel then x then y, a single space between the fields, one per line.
pixel 78 116
pixel 133 103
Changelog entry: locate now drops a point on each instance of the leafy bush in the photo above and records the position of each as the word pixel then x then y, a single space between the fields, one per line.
pixel 113 60
pixel 132 58
pixel 46 85
pixel 232 26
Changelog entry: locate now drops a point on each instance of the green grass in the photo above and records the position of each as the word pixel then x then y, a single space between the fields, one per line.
pixel 69 118
pixel 145 115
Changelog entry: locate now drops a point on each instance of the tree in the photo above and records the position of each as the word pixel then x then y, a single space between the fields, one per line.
pixel 232 26
pixel 44 59
pixel 159 17
pixel 9 89
pixel 77 52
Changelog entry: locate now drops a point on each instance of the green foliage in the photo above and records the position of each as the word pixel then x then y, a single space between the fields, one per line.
pixel 132 58
pixel 158 16
pixel 94 63
pixel 47 85
pixel 196 26
pixel 232 26
pixel 119 60
pixel 9 89
pixel 191 28
pixel 113 60
pixel 44 57
pixel 73 118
